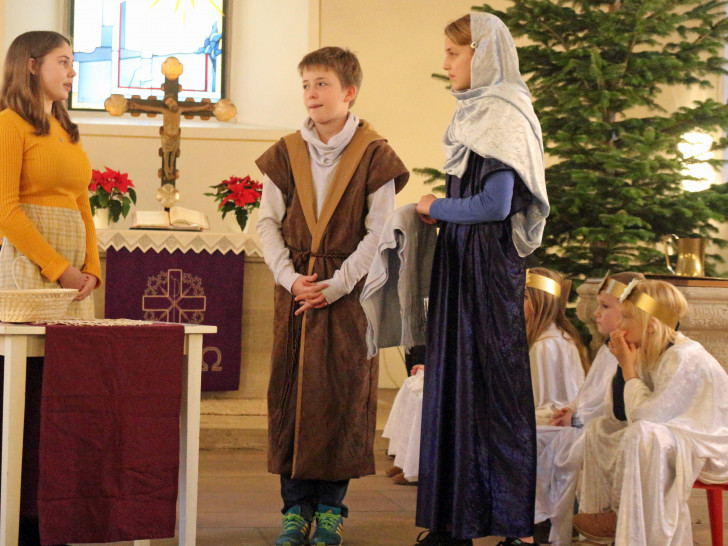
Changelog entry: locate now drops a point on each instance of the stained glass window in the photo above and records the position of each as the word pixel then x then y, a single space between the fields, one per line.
pixel 120 45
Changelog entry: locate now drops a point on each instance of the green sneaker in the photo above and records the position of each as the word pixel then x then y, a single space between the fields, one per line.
pixel 329 526
pixel 295 528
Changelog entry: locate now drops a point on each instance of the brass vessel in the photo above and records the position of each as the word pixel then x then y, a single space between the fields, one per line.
pixel 690 255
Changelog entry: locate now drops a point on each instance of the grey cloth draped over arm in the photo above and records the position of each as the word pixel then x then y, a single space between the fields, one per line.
pixel 393 297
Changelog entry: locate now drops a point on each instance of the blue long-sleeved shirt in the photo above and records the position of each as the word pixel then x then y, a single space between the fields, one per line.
pixel 493 204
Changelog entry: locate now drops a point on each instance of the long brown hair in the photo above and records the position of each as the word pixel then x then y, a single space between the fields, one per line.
pixel 548 309
pixel 21 90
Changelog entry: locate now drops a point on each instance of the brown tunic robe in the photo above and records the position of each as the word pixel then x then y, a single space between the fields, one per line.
pixel 322 393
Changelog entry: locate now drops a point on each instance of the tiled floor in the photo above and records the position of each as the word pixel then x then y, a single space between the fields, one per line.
pixel 239 504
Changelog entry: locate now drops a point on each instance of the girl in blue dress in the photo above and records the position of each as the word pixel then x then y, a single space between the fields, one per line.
pixel 478 454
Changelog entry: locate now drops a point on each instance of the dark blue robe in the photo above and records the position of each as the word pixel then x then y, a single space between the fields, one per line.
pixel 477 472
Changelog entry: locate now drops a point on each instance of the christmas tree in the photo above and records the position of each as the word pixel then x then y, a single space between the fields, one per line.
pixel 615 180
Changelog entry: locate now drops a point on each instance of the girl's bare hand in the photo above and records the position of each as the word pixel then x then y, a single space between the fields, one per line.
pixel 427 219
pixel 625 353
pixel 423 208
pixel 72 278
pixel 561 417
pixel 88 286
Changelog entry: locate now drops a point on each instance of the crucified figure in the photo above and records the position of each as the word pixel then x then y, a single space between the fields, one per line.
pixel 172 112
pixel 170 131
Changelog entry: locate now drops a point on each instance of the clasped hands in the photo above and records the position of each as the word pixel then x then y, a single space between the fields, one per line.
pixel 72 277
pixel 309 293
pixel 561 417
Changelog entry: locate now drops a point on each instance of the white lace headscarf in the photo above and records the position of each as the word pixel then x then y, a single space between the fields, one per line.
pixel 495 118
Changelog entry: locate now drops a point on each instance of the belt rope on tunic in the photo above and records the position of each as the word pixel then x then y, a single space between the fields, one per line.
pixel 299 257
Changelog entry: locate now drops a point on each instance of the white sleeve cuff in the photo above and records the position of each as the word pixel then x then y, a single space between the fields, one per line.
pixel 334 291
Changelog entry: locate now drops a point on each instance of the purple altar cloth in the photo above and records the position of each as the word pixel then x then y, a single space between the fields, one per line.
pixel 204 288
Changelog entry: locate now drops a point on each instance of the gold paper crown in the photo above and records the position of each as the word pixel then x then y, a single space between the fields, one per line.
pixel 611 286
pixel 541 282
pixel 649 305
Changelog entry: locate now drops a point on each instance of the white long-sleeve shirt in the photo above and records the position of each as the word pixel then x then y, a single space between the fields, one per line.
pixel 324 160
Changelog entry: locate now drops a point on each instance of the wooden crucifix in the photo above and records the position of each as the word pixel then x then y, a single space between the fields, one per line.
pixel 172 112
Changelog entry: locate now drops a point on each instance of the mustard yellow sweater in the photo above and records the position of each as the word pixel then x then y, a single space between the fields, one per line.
pixel 49 171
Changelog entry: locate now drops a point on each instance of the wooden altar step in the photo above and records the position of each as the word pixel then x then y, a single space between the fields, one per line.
pixel 233 424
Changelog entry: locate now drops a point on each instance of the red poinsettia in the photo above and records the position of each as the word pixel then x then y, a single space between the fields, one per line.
pixel 111 190
pixel 240 195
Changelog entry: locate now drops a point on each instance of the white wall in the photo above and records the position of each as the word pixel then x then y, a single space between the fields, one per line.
pixel 3 22
pixel 265 53
pixel 22 16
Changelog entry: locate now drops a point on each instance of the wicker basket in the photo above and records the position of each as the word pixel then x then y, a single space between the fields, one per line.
pixel 35 305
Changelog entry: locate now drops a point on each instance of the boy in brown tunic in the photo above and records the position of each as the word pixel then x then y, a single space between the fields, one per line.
pixel 327 190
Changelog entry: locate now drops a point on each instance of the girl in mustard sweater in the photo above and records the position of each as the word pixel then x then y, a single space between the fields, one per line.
pixel 45 216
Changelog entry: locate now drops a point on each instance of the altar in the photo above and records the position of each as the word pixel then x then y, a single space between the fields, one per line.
pixel 237 418
pixel 184 277
pixel 19 341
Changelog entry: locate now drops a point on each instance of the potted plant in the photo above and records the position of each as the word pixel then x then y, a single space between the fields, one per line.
pixel 112 196
pixel 238 195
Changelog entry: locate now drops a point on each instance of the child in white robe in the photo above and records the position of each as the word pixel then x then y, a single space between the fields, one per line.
pixel 561 443
pixel 403 428
pixel 637 479
pixel 558 358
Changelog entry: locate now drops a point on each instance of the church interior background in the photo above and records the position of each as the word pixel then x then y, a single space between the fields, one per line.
pixel 399 44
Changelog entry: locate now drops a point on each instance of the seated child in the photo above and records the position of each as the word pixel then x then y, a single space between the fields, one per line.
pixel 558 358
pixel 637 479
pixel 561 443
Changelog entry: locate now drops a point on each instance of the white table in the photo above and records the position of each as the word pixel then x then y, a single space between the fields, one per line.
pixel 19 341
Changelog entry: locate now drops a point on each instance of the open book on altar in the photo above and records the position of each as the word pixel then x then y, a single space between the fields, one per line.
pixel 178 218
